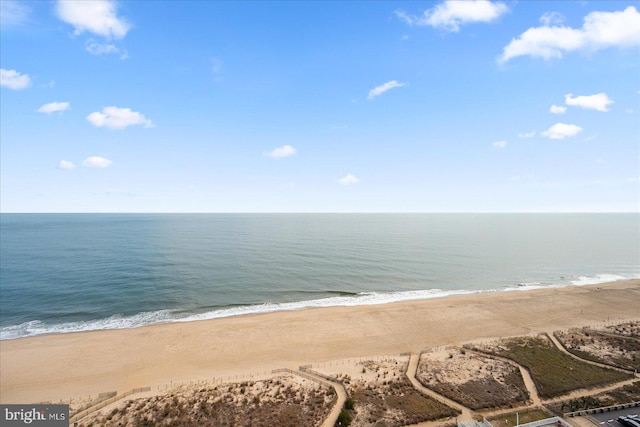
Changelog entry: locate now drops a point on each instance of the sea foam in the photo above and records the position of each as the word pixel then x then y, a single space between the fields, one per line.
pixel 36 327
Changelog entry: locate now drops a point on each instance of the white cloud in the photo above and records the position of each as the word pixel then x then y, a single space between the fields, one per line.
pixel 599 31
pixel 95 16
pixel 284 151
pixel 13 13
pixel 598 101
pixel 53 107
pixel 96 162
pixel 561 131
pixel 450 14
pixel 348 179
pixel 552 18
pixel 96 48
pixel 558 109
pixel 118 118
pixel 527 134
pixel 499 144
pixel 14 80
pixel 67 165
pixel 379 90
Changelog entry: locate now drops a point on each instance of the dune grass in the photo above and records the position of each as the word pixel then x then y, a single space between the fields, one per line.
pixel 554 372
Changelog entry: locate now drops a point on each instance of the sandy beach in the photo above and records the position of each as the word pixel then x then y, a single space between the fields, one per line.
pixel 60 367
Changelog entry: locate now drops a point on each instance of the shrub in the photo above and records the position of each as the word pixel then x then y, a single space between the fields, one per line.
pixel 348 404
pixel 344 419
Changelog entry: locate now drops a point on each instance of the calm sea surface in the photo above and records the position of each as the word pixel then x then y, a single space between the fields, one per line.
pixel 72 272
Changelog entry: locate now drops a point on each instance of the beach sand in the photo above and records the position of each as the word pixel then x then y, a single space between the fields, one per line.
pixel 64 366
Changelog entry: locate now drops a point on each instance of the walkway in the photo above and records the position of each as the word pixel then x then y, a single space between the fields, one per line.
pixel 331 419
pixel 562 348
pixel 467 414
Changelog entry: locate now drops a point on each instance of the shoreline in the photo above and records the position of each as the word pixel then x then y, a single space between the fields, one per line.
pixel 57 367
pixel 142 319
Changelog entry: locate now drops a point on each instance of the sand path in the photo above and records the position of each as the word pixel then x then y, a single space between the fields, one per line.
pixel 331 419
pixel 562 348
pixel 526 377
pixel 467 414
pixel 589 392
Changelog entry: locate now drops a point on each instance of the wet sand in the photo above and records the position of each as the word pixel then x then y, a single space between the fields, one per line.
pixel 63 366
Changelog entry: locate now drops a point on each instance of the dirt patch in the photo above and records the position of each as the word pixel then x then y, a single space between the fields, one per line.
pixel 282 401
pixel 475 381
pixel 382 396
pixel 631 329
pixel 615 350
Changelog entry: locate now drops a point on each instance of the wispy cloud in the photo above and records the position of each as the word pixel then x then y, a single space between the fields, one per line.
pixel 14 80
pixel 96 48
pixel 66 165
pixel 451 14
pixel 96 162
pixel 600 30
pixel 551 18
pixel 53 107
pixel 379 90
pixel 284 151
pixel 562 131
pixel 557 109
pixel 499 144
pixel 118 118
pixel 98 17
pixel 348 179
pixel 527 134
pixel 13 13
pixel 598 102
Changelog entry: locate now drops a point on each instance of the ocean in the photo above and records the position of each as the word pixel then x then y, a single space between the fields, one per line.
pixel 64 273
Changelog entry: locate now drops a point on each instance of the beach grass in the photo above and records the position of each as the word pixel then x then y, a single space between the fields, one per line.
pixel 554 372
pixel 512 419
pixel 618 351
pixel 628 393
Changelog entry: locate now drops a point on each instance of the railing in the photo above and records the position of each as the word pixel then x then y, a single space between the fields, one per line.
pixel 601 410
pixel 103 403
pixel 483 423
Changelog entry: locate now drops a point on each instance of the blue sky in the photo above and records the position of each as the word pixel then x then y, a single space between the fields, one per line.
pixel 323 106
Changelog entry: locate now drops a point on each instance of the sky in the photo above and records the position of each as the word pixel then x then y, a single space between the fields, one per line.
pixel 320 106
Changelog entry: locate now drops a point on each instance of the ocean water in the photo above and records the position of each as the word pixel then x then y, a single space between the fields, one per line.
pixel 74 272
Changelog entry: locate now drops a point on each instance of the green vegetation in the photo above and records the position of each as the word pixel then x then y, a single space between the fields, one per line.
pixel 622 352
pixel 348 404
pixel 509 420
pixel 627 394
pixel 554 372
pixel 344 419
